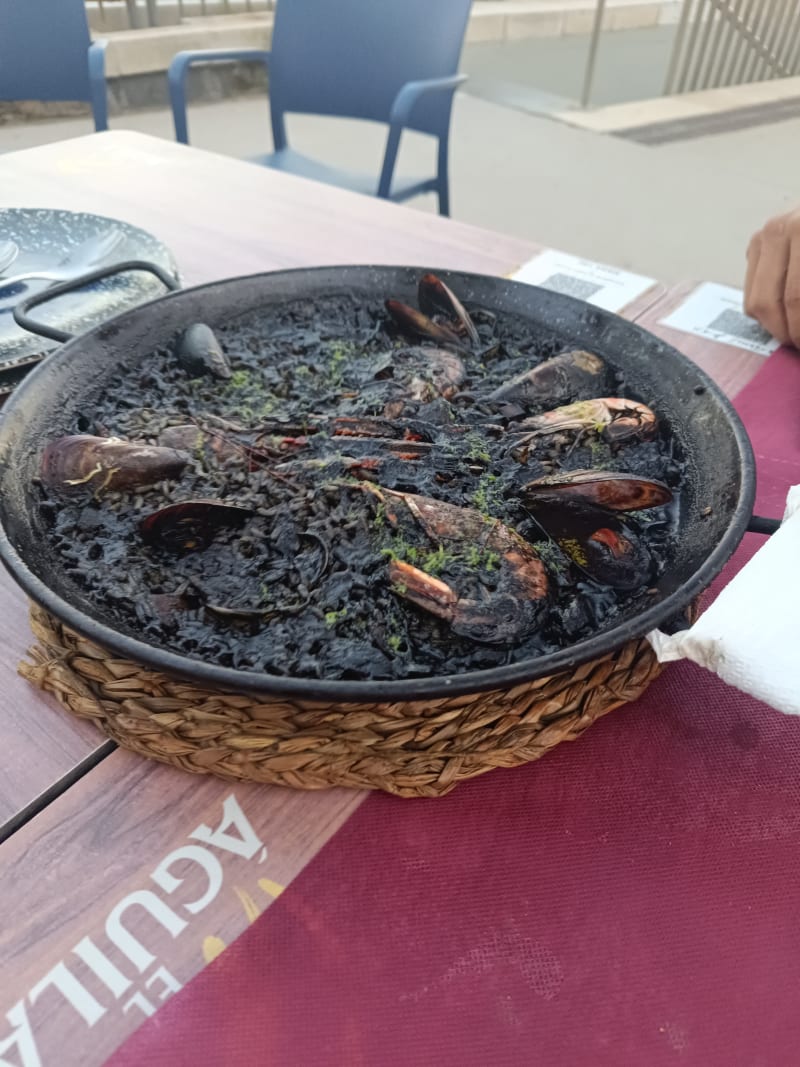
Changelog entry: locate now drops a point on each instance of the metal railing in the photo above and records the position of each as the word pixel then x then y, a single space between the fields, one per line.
pixel 732 42
pixel 720 42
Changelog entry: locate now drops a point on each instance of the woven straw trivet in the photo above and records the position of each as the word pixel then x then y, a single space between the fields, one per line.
pixel 411 748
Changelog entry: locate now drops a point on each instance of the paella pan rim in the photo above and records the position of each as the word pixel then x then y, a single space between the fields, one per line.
pixel 35 392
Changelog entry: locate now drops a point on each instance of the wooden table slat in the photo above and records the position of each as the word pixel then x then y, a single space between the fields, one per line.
pixel 39 744
pixel 223 217
pixel 124 841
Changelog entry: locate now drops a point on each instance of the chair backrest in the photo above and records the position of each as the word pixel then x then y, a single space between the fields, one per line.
pixel 44 50
pixel 351 57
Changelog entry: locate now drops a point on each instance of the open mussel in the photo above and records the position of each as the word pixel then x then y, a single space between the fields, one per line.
pixel 568 377
pixel 580 510
pixel 441 304
pixel 602 549
pixel 441 316
pixel 595 540
pixel 605 489
pixel 101 463
pixel 199 352
pixel 414 322
pixel 190 525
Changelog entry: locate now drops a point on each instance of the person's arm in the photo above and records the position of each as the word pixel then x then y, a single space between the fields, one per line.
pixel 772 285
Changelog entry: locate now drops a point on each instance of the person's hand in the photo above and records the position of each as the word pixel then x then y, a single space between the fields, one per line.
pixel 772 285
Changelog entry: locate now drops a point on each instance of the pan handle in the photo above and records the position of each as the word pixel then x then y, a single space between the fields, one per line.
pixel 761 525
pixel 22 318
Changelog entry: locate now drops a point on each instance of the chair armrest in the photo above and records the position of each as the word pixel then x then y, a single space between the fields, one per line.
pixel 176 78
pixel 400 114
pixel 97 84
pixel 411 92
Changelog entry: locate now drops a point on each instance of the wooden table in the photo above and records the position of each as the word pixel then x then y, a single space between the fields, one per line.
pixel 122 878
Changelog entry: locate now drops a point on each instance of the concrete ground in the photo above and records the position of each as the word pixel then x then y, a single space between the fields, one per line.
pixel 531 74
pixel 680 210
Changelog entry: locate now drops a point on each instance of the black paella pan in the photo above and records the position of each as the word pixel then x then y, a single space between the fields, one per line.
pixel 715 501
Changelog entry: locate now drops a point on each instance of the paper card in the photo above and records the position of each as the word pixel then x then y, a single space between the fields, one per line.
pixel 597 283
pixel 715 311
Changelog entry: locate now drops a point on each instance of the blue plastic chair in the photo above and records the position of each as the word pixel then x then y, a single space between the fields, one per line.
pixel 46 53
pixel 392 62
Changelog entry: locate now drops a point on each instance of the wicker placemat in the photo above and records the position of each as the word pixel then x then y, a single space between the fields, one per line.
pixel 411 749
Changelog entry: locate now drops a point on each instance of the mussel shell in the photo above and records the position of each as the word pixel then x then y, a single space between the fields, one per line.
pixel 190 525
pixel 436 298
pixel 199 352
pixel 618 559
pixel 82 461
pixel 415 322
pixel 604 489
pixel 575 375
pixel 600 545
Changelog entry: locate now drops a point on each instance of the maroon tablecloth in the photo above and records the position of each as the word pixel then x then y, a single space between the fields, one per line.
pixel 629 901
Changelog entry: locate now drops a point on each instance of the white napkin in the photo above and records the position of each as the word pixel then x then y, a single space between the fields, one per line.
pixel 750 636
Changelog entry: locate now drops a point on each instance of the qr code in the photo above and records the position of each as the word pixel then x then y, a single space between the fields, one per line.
pixel 735 324
pixel 569 286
